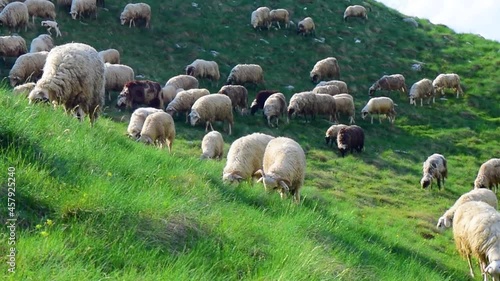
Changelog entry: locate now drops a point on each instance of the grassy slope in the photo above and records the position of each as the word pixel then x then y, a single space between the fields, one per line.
pixel 129 212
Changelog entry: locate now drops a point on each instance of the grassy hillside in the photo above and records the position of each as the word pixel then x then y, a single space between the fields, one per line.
pixel 92 204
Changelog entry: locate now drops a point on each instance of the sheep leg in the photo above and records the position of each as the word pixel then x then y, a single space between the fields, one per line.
pixel 372 118
pixel 469 262
pixel 279 27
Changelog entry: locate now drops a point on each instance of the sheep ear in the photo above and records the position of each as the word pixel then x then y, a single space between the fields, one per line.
pixel 447 223
pixel 284 185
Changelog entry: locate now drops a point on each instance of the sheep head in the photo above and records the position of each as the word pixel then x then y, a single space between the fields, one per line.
pixel 443 223
pixel 194 117
pixel 38 95
pixel 14 80
pixel 426 180
pixel 145 139
pixel 190 70
pixel 231 178
pixel 73 15
pixel 315 78
pixel 493 269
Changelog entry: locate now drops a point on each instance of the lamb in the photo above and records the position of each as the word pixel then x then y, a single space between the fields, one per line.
pixel 420 90
pixel 325 68
pixel 325 104
pixel 137 120
pixel 306 26
pixel 52 24
pixel 275 106
pixel 434 167
pixel 331 90
pixel 355 11
pixel 211 108
pixel 395 82
pixel 379 106
pixel 185 82
pixel 141 92
pixel 283 167
pixel 245 73
pixel 117 75
pixel 133 12
pixel 302 103
pixel 260 99
pixel 212 146
pixel 184 100
pixel 73 75
pixel 42 42
pixel 448 80
pixel 23 89
pixel 12 46
pixel 27 68
pixel 350 138
pixel 110 56
pixel 41 8
pixel 280 15
pixel 15 16
pixel 488 175
pixel 203 69
pixel 340 84
pixel 344 103
pixel 245 157
pixel 484 195
pixel 331 133
pixel 238 95
pixel 81 7
pixel 261 18
pixel 159 128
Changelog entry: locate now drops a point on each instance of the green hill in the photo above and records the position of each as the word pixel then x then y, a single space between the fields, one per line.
pixel 91 204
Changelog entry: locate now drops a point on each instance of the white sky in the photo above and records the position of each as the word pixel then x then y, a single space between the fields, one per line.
pixel 463 16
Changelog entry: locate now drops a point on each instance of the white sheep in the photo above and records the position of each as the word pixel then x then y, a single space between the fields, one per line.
pixel 41 8
pixel 117 75
pixel 331 90
pixel 211 108
pixel 325 68
pixel 212 146
pixel 379 106
pixel 182 81
pixel 184 100
pixel 137 120
pixel 81 7
pixel 238 95
pixel 344 104
pixel 158 129
pixel 42 42
pixel 204 69
pixel 420 90
pixel 52 24
pixel 488 175
pixel 340 84
pixel 12 46
pixel 27 68
pixel 434 167
pixel 355 11
pixel 23 89
pixel 133 12
pixel 331 133
pixel 484 195
pixel 280 15
pixel 448 80
pixel 283 167
pixel 245 157
pixel 306 26
pixel 274 107
pixel 15 16
pixel 302 103
pixel 169 92
pixel 73 75
pixel 326 105
pixel 261 18
pixel 110 56
pixel 245 73
pixel 395 82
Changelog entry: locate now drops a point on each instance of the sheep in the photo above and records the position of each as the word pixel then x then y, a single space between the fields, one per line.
pixel 261 18
pixel 211 108
pixel 169 92
pixel 212 146
pixel 340 84
pixel 117 75
pixel 23 89
pixel 185 82
pixel 260 99
pixel 302 103
pixel 325 104
pixel 331 133
pixel 238 95
pixel 245 73
pixel 283 167
pixel 12 46
pixel 488 175
pixel 73 75
pixel 350 138
pixel 41 8
pixel 421 89
pixel 344 103
pixel 484 195
pixel 141 92
pixel 184 100
pixel 306 26
pixel 245 157
pixel 355 11
pixel 81 7
pixel 204 69
pixel 395 82
pixel 159 128
pixel 110 56
pixel 379 106
pixel 27 68
pixel 434 167
pixel 133 12
pixel 15 16
pixel 52 24
pixel 42 42
pixel 331 90
pixel 448 80
pixel 137 121
pixel 325 68
pixel 278 15
pixel 275 106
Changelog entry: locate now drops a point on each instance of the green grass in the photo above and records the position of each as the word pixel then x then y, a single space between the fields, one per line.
pixel 92 204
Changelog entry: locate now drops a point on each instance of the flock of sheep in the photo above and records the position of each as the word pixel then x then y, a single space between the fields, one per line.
pixel 60 75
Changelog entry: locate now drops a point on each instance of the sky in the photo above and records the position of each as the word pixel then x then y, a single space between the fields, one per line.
pixel 463 16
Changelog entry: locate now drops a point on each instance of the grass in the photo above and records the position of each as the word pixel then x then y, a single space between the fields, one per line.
pixel 92 204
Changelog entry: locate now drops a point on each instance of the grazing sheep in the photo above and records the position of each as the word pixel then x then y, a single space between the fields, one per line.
pixel 52 24
pixel 245 73
pixel 169 92
pixel 82 7
pixel 331 133
pixel 260 99
pixel 27 68
pixel 325 105
pixel 325 68
pixel 212 146
pixel 488 175
pixel 15 16
pixel 379 106
pixel 450 81
pixel 355 11
pixel 331 90
pixel 185 82
pixel 283 167
pixel 41 8
pixel 395 82
pixel 204 69
pixel 420 90
pixel 211 108
pixel 435 167
pixel 133 12
pixel 141 92
pixel 484 195
pixel 158 129
pixel 306 26
pixel 110 56
pixel 23 89
pixel 117 75
pixel 137 120
pixel 302 103
pixel 275 106
pixel 42 42
pixel 260 18
pixel 280 15
pixel 340 84
pixel 245 157
pixel 12 46
pixel 350 138
pixel 238 95
pixel 184 100
pixel 344 103
pixel 73 75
